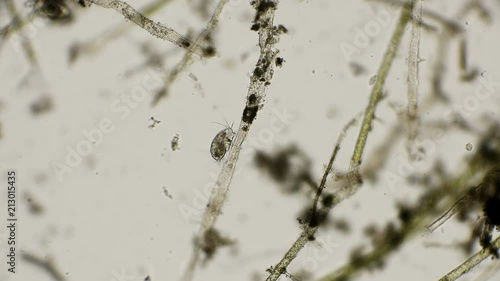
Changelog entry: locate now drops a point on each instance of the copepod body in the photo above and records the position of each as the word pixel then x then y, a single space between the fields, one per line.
pixel 221 143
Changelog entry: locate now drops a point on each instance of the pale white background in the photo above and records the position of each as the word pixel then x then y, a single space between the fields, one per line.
pixel 110 215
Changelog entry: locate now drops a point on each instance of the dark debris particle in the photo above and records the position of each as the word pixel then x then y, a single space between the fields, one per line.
pixel 327 200
pixel 311 217
pixel 42 105
pixel 165 191
pixel 490 195
pixel 492 211
pixel 174 144
pixel 357 259
pixel 282 29
pixel 152 125
pixel 278 166
pixel 489 149
pixel 342 225
pixel 405 214
pixel 74 52
pixel 317 218
pixel 209 51
pixel 252 99
pixel 357 69
pixel 212 240
pixel 265 5
pixel 34 206
pixel 249 114
pixel 392 235
pixel 288 166
pixel 185 43
pixel 262 7
pixel 255 27
pixel 279 61
pixel 258 72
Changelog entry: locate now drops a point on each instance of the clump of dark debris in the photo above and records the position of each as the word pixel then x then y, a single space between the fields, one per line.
pixel 42 105
pixel 288 166
pixel 212 241
pixel 55 10
pixel 174 144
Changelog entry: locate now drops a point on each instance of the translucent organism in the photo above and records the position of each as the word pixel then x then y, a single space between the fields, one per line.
pixel 221 143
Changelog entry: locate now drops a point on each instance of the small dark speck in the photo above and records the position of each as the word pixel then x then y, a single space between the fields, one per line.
pixel 174 144
pixel 258 72
pixel 469 146
pixel 209 51
pixel 154 122
pixel 252 99
pixel 357 69
pixel 34 206
pixel 165 191
pixel 282 29
pixel 279 62
pixel 42 105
